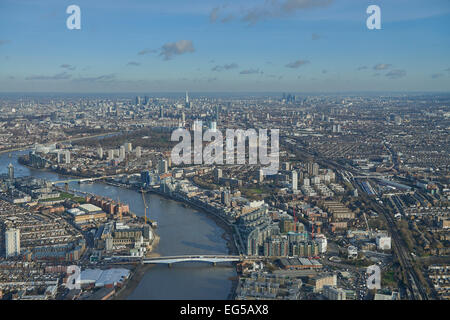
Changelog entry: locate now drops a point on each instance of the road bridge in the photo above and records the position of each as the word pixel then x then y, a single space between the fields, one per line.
pixel 82 179
pixel 169 260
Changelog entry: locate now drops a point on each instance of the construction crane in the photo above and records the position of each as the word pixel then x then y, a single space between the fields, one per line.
pixel 295 222
pixel 145 205
pixel 367 224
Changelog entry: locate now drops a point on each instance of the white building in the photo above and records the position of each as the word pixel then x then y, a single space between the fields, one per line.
pixel 352 252
pixel 306 182
pixel 128 147
pixel 213 126
pixel 383 242
pixel 333 293
pixel 163 166
pixel 294 178
pixel 122 152
pixel 110 154
pixel 138 152
pixel 322 242
pixel 100 152
pixel 12 242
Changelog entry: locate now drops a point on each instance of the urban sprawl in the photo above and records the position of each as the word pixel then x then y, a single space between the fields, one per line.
pixel 362 181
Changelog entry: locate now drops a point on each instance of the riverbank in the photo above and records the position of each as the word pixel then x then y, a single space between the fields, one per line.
pixel 137 276
pixel 228 236
pixel 137 273
pixel 58 141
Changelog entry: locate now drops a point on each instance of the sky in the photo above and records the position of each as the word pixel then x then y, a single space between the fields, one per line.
pixel 224 46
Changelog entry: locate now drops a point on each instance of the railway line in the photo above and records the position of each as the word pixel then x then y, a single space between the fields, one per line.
pixel 416 291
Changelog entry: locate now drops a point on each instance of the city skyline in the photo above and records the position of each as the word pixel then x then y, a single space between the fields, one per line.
pixel 224 46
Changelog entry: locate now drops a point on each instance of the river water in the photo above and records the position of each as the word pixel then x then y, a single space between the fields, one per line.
pixel 182 231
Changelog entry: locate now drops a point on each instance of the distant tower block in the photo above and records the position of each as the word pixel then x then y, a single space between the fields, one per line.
pixel 138 152
pixel 67 156
pixel 128 147
pixel 12 242
pixel 100 152
pixel 122 152
pixel 294 179
pixel 217 174
pixel 187 103
pixel 110 154
pixel 163 166
pixel 11 171
pixel 261 175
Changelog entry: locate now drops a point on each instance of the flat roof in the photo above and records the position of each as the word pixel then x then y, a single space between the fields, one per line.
pixel 89 207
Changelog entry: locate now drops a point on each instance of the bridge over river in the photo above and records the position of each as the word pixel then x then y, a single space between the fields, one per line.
pixel 169 260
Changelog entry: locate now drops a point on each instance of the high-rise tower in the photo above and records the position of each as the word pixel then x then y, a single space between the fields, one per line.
pixel 187 103
pixel 11 171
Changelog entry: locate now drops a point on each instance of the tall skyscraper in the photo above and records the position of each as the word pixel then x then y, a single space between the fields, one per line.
pixel 313 169
pixel 187 104
pixel 163 166
pixel 217 113
pixel 138 152
pixel 161 112
pixel 294 178
pixel 110 154
pixel 226 198
pixel 122 152
pixel 11 171
pixel 128 147
pixel 100 152
pixel 217 174
pixel 12 242
pixel 67 156
pixel 213 126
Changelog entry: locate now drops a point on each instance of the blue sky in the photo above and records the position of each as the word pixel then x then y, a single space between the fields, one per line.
pixel 215 45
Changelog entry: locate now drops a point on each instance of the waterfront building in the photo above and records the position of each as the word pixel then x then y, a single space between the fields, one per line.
pixel 163 166
pixel 226 198
pixel 67 156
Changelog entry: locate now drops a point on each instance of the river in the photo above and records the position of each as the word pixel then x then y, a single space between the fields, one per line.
pixel 182 231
